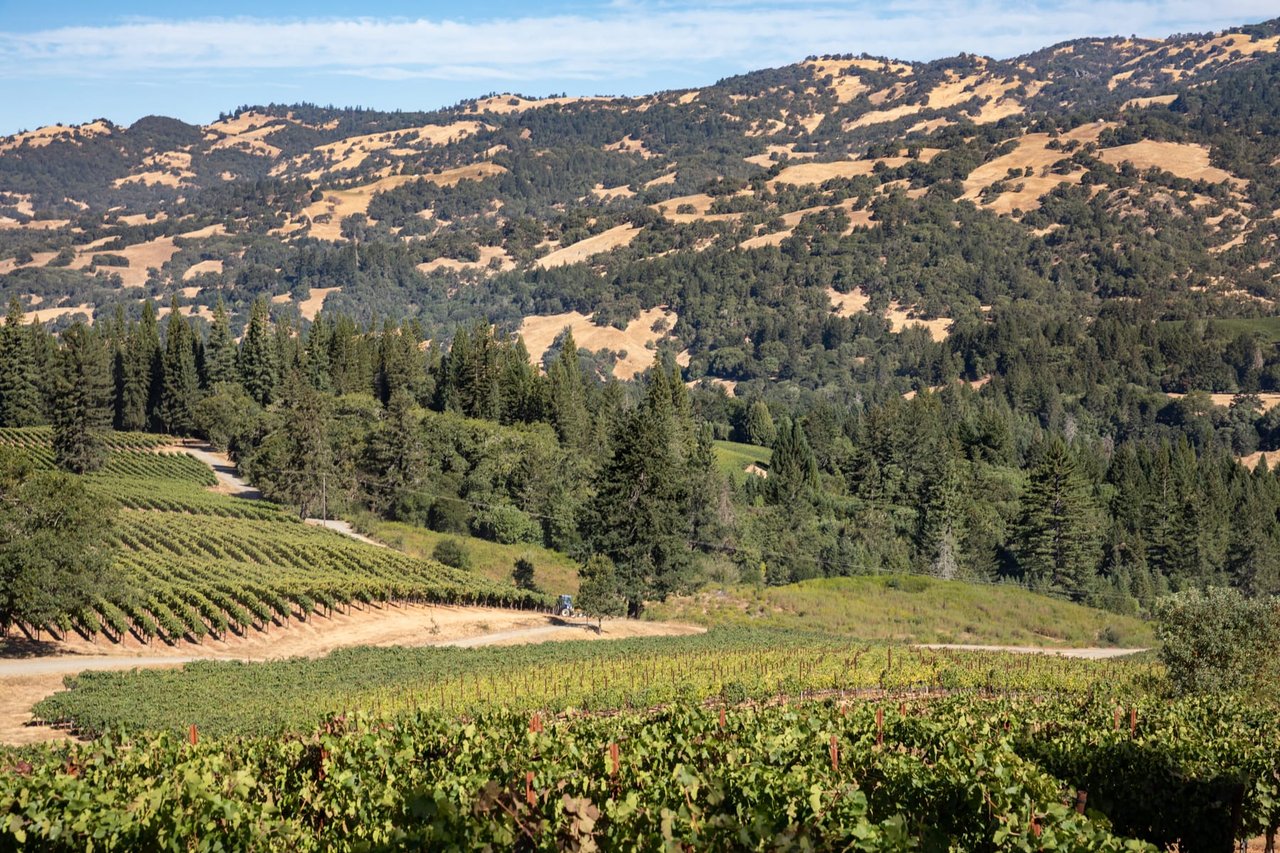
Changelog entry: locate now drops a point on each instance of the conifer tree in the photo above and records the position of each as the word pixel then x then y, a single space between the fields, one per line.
pixel 139 374
pixel 1057 536
pixel 638 518
pixel 181 385
pixel 567 395
pixel 220 350
pixel 761 430
pixel 395 456
pixel 82 400
pixel 258 360
pixel 20 403
pixel 793 470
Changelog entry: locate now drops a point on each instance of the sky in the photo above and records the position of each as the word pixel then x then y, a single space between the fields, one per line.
pixel 72 62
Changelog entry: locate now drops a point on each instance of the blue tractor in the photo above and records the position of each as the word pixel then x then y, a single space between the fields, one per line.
pixel 564 607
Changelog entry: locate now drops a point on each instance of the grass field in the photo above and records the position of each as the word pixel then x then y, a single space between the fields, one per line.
pixel 732 457
pixel 554 573
pixel 911 608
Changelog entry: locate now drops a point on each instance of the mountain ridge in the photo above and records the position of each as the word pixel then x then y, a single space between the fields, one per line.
pixel 499 206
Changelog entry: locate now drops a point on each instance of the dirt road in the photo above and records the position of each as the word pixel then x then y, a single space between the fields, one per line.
pixel 1086 653
pixel 229 481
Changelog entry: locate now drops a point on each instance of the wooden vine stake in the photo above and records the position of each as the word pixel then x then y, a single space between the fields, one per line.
pixel 535 723
pixel 722 718
pixel 528 788
pixel 193 735
pixel 879 726
pixel 1115 723
pixel 1133 721
pixel 1082 797
pixel 614 760
pixel 835 755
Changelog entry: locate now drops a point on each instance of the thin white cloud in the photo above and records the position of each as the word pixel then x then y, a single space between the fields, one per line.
pixel 617 42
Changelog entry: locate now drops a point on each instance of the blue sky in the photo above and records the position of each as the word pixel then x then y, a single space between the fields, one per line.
pixel 71 62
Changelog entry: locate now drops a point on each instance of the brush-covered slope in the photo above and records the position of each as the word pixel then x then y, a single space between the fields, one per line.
pixel 784 225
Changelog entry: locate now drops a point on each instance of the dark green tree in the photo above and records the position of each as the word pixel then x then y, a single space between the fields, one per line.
pixel 82 400
pixel 639 516
pixel 522 573
pixel 140 375
pixel 20 403
pixel 180 388
pixel 600 593
pixel 55 545
pixel 220 350
pixel 1057 539
pixel 761 430
pixel 793 470
pixel 259 364
pixel 567 395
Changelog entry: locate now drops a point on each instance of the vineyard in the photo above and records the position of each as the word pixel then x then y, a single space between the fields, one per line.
pixel 731 665
pixel 197 564
pixel 966 773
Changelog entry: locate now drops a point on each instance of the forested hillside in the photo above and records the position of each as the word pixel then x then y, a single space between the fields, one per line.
pixel 995 319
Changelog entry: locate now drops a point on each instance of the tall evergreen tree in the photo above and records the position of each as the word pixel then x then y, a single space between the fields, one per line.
pixel 139 375
pixel 638 518
pixel 259 365
pixel 181 385
pixel 220 350
pixel 761 430
pixel 20 403
pixel 793 470
pixel 1057 538
pixel 567 395
pixel 395 455
pixel 82 400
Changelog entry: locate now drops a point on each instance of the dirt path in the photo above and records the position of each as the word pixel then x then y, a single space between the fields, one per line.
pixel 26 680
pixel 229 480
pixel 345 528
pixel 575 631
pixel 231 483
pixel 1085 654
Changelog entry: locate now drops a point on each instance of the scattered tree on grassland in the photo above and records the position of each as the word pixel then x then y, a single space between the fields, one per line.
pixel 600 594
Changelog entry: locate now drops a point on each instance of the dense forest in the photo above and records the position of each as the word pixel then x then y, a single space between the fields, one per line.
pixel 1004 320
pixel 471 439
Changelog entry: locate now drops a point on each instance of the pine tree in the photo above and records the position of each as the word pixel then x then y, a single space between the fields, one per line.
pixel 259 365
pixel 941 526
pixel 181 385
pixel 82 398
pixel 395 456
pixel 638 518
pixel 1057 536
pixel 471 374
pixel 793 470
pixel 220 350
pixel 20 403
pixel 308 458
pixel 761 430
pixel 139 374
pixel 567 395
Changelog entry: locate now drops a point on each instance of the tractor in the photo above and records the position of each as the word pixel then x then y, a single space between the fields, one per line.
pixel 564 607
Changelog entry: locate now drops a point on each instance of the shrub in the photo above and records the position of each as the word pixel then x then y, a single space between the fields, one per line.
pixel 522 573
pixel 506 524
pixel 1217 639
pixel 452 552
